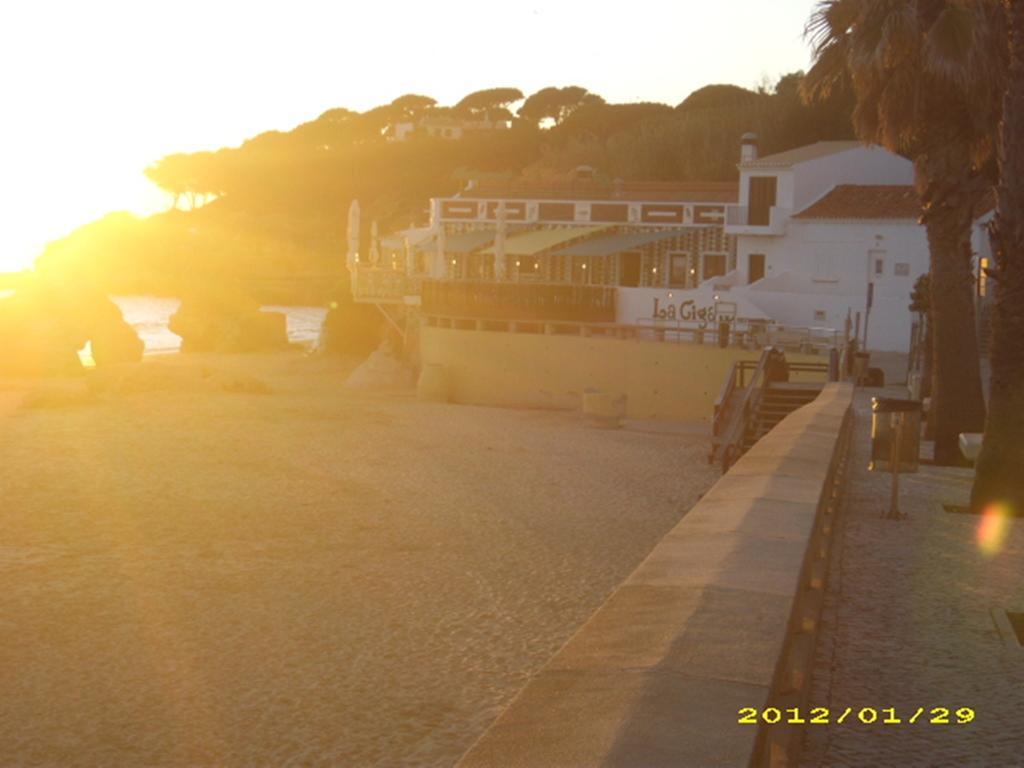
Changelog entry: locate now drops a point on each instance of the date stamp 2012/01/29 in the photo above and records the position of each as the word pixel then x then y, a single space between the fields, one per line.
pixel 861 716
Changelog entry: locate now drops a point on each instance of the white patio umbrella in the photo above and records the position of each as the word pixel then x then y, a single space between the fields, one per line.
pixel 440 267
pixel 374 243
pixel 499 243
pixel 353 234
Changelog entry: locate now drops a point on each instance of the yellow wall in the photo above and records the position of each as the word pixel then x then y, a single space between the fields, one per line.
pixel 661 380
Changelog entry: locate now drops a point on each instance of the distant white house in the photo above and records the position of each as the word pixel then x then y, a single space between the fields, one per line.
pixel 444 128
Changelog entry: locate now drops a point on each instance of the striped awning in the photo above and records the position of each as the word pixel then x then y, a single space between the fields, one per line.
pixel 464 242
pixel 617 243
pixel 539 240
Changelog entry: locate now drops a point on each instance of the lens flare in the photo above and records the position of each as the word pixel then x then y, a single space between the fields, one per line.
pixel 994 528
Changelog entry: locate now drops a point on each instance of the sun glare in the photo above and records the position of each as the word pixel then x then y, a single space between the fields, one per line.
pixel 993 529
pixel 78 190
pixel 104 89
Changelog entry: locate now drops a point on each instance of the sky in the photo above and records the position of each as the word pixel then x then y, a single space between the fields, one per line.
pixel 96 91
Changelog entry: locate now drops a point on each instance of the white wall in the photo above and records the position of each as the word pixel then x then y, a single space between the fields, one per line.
pixel 861 165
pixel 696 306
pixel 809 181
pixel 829 269
pixel 828 261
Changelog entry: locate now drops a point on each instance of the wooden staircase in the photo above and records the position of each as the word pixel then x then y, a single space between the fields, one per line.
pixel 777 401
pixel 756 396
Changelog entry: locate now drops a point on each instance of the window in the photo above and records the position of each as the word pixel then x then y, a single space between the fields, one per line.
pixel 762 192
pixel 901 269
pixel 714 265
pixel 653 269
pixel 679 270
pixel 820 316
pixel 629 269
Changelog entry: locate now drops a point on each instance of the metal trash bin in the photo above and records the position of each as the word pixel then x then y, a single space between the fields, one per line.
pixel 889 417
pixel 723 334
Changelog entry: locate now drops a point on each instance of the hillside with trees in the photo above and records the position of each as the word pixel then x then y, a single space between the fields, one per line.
pixel 276 204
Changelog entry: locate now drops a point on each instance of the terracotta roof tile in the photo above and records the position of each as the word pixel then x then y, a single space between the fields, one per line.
pixel 865 201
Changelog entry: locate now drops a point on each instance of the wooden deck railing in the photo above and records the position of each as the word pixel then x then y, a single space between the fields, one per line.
pixel 740 398
pixel 737 403
pixel 519 301
pixel 383 285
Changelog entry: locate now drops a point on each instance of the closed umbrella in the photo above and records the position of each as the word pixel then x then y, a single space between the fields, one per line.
pixel 440 266
pixel 374 244
pixel 353 234
pixel 499 244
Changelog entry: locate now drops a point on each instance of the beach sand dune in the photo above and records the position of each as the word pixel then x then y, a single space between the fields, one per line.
pixel 296 572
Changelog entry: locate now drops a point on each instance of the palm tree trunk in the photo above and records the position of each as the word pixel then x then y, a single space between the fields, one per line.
pixel 928 352
pixel 957 401
pixel 1000 469
pixel 928 374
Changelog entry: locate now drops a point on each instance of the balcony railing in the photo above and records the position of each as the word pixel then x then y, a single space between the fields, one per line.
pixel 539 302
pixel 737 221
pixel 377 285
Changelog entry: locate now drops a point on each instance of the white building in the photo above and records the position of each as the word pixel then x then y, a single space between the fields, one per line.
pixel 444 128
pixel 807 240
pixel 831 230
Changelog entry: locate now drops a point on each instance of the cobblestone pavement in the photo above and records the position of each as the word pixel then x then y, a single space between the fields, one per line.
pixel 908 624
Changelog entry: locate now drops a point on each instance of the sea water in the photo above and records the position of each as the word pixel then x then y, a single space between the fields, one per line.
pixel 150 317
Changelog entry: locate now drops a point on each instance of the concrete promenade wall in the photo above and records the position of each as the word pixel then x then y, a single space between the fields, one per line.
pixel 720 616
pixel 661 380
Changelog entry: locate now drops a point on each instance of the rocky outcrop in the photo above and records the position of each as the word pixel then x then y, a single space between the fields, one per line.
pixel 48 320
pixel 116 343
pixel 34 342
pixel 351 329
pixel 113 341
pixel 227 321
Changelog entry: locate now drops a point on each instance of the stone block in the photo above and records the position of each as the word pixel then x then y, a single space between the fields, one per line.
pixel 756 517
pixel 767 486
pixel 730 560
pixel 621 718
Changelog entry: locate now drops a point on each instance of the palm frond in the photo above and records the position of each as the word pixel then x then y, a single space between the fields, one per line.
pixel 827 73
pixel 830 21
pixel 899 40
pixel 949 44
pixel 927 74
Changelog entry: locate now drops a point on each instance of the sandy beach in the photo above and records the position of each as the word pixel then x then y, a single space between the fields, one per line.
pixel 238 561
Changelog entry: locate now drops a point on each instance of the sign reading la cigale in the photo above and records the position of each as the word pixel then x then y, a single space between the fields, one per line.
pixel 689 310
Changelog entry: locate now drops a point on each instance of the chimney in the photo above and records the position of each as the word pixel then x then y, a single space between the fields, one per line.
pixel 748 148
